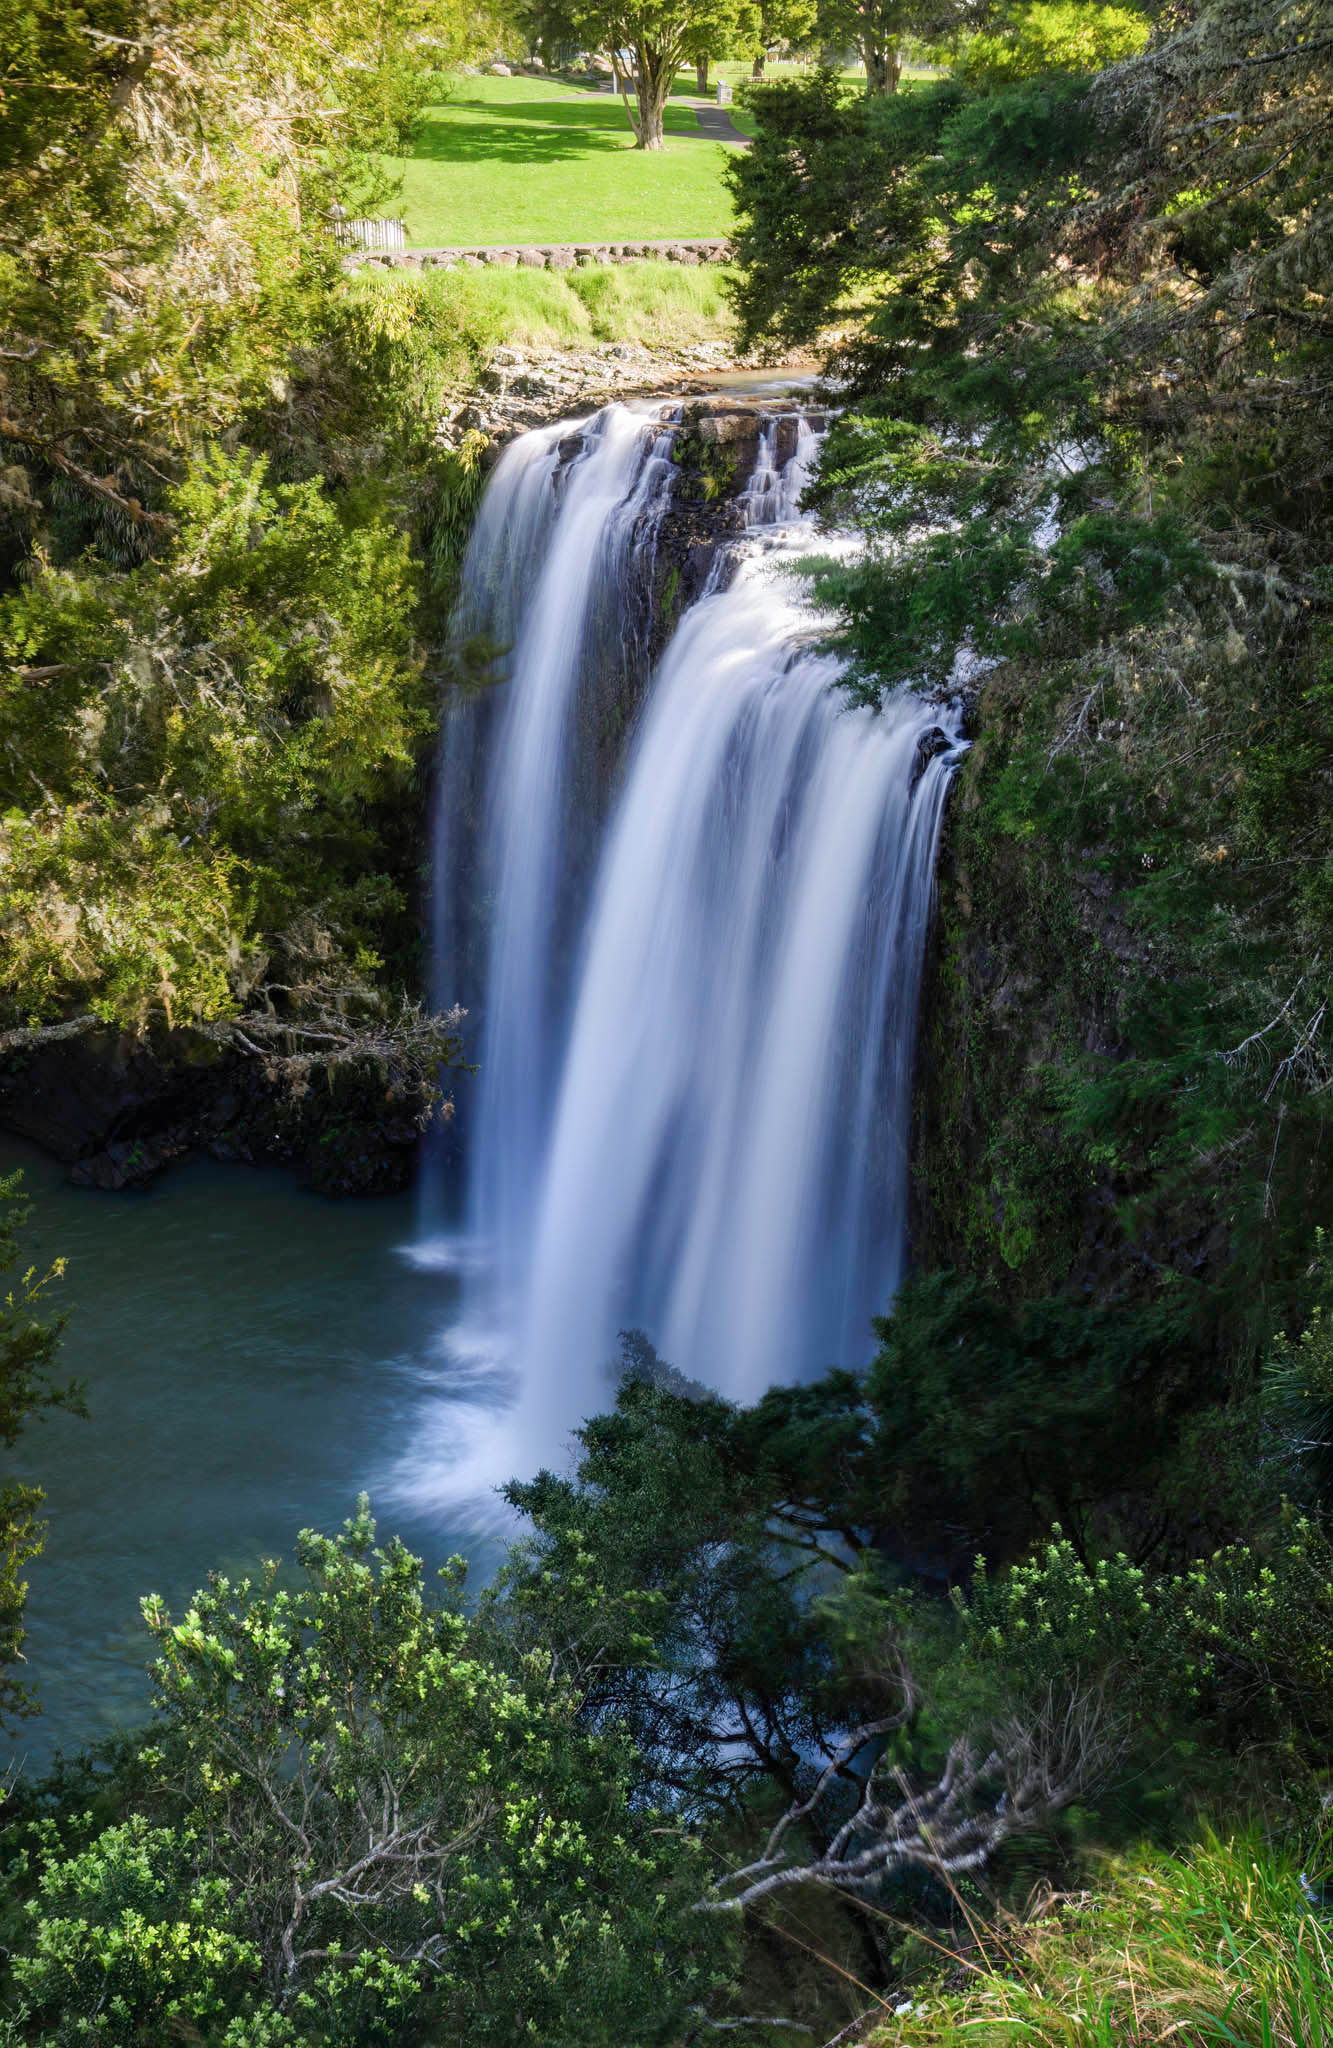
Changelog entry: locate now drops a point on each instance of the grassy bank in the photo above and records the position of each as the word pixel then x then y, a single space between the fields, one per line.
pixel 458 317
pixel 513 160
pixel 1215 1947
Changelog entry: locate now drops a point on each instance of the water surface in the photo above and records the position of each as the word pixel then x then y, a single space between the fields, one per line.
pixel 253 1355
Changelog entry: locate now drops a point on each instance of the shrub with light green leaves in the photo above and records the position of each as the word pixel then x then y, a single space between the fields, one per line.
pixel 132 1942
pixel 398 1820
pixel 1053 35
pixel 1245 1636
pixel 208 735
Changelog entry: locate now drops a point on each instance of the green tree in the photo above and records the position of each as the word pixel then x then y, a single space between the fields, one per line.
pixel 202 144
pixel 213 709
pixel 220 782
pixel 411 1829
pixel 788 23
pixel 660 35
pixel 877 30
pixel 1051 36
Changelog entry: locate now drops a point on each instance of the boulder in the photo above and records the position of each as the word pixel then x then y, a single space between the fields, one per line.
pixel 500 70
pixel 734 423
pixel 560 259
pixel 931 742
pixel 532 259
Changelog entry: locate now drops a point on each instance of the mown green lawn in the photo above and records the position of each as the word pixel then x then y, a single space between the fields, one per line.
pixel 526 160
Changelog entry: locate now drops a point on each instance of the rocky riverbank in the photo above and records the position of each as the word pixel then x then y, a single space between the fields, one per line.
pixel 118 1107
pixel 523 388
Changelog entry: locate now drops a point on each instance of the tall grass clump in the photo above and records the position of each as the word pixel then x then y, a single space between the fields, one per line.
pixel 1218 1946
pixel 445 323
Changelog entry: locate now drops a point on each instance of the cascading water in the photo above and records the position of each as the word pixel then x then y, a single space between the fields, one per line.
pixel 699 1000
pixel 545 577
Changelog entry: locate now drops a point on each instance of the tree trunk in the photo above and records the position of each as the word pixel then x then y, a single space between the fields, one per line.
pixel 654 72
pixel 701 75
pixel 757 68
pixel 884 65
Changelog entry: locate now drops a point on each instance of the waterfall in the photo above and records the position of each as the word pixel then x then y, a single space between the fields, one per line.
pixel 697 972
pixel 545 579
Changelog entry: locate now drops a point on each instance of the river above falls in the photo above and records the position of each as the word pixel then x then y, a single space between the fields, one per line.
pixel 254 1355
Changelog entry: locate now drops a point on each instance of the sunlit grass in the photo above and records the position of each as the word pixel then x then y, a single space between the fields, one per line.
pixel 515 160
pixel 658 304
pixel 1215 1948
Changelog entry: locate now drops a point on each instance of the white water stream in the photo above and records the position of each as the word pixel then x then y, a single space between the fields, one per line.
pixel 697 975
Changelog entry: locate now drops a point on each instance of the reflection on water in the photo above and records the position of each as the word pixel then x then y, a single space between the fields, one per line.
pixel 253 1357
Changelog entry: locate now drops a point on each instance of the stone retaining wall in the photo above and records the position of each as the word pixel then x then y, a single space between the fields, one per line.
pixel 544 255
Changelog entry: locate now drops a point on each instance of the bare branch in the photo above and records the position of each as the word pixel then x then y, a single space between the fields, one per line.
pixel 1040 1763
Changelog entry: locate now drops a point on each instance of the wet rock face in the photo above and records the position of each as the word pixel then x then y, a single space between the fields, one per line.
pixel 118 1108
pixel 717 448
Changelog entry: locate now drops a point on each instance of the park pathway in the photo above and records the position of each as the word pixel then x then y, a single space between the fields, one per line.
pixel 716 124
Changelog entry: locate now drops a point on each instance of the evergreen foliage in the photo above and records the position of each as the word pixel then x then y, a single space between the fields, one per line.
pixel 223 526
pixel 1077 293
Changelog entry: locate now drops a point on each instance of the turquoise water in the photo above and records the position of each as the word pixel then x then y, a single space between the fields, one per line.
pixel 254 1358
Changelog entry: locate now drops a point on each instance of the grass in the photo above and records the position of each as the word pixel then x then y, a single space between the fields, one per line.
pixel 1212 1949
pixel 457 317
pixel 514 160
pixel 735 71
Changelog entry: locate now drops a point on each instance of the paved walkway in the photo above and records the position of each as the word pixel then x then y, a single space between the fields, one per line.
pixel 716 124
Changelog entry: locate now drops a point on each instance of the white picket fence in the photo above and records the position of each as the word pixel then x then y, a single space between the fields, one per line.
pixel 367 234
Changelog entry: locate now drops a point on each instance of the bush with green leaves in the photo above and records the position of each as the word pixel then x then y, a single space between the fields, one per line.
pixel 128 1943
pixel 381 1819
pixel 1241 1639
pixel 215 732
pixel 1298 1381
pixel 1050 36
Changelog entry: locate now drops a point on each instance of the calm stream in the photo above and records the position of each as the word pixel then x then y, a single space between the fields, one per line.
pixel 253 1355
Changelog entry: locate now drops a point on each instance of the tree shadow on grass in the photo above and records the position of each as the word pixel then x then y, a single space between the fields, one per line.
pixel 466 142
pixel 519 135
